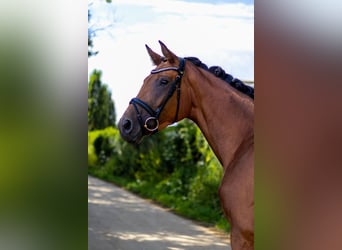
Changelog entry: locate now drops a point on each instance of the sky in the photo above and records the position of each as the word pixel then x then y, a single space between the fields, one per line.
pixel 217 32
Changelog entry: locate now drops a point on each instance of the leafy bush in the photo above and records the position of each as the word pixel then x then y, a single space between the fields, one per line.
pixel 102 145
pixel 176 167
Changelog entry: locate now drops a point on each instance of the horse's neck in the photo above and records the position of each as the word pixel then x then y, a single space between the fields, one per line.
pixel 225 117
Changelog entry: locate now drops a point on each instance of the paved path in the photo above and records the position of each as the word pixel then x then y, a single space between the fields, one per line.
pixel 119 220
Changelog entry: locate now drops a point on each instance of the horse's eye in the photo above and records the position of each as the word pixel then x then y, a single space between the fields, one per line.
pixel 164 82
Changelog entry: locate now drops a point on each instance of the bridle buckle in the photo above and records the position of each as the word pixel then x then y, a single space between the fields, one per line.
pixel 153 119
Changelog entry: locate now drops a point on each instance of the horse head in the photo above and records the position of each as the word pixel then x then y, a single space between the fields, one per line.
pixel 157 104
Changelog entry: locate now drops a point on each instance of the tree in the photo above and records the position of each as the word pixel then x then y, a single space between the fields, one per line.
pixel 90 40
pixel 101 109
pixel 92 31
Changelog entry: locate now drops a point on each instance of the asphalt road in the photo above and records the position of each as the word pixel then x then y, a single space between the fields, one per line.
pixel 119 220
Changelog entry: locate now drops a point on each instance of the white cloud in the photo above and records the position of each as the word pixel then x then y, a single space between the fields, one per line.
pixel 206 9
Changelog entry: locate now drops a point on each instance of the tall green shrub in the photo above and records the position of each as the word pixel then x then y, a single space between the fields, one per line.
pixel 101 109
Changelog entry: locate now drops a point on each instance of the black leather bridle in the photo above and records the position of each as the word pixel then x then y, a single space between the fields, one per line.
pixel 176 85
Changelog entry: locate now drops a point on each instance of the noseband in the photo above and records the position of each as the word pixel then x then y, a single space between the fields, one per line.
pixel 176 85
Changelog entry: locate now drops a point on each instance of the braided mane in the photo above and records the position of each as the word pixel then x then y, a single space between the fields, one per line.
pixel 221 73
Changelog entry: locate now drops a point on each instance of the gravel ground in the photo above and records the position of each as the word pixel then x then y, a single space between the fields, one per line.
pixel 119 220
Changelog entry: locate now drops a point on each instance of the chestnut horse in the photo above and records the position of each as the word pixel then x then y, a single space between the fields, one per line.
pixel 178 89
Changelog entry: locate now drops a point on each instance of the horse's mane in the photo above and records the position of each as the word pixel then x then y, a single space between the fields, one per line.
pixel 221 73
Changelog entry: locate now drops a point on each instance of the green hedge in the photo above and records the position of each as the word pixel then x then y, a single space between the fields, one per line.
pixel 175 167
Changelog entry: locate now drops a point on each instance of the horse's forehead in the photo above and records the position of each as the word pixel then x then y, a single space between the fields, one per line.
pixel 152 77
pixel 149 77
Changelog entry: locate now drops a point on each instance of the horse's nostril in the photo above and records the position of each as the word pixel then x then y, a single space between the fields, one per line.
pixel 127 125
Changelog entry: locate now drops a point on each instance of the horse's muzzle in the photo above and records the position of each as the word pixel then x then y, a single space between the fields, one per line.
pixel 129 131
pixel 127 125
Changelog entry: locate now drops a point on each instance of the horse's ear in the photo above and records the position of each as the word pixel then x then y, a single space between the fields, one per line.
pixel 155 57
pixel 167 53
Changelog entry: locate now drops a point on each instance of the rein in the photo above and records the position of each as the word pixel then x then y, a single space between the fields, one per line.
pixel 154 114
